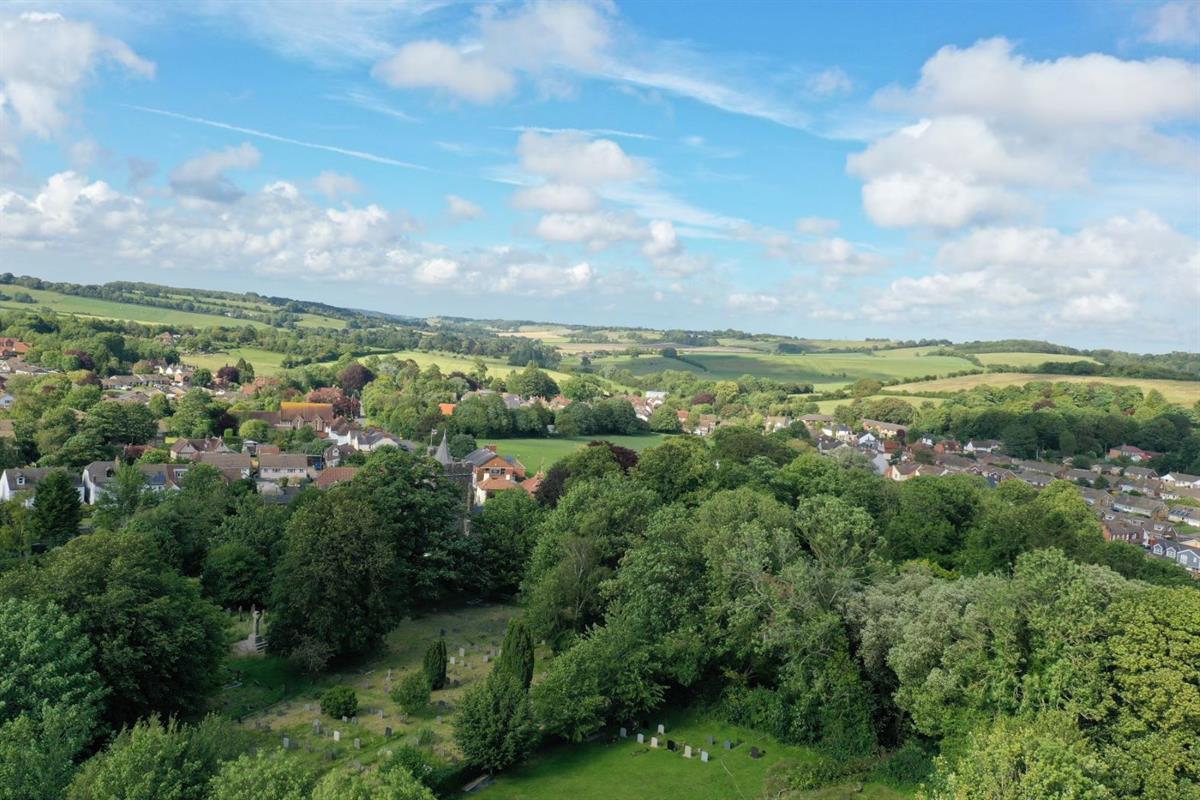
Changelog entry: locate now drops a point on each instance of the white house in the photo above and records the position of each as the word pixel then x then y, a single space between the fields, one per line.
pixel 18 481
pixel 982 446
pixel 1181 480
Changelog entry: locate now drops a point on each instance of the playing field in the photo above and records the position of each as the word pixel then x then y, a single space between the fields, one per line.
pixel 1185 393
pixel 265 362
pixel 823 370
pixel 538 454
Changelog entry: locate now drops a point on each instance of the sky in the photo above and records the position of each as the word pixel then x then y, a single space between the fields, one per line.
pixel 951 170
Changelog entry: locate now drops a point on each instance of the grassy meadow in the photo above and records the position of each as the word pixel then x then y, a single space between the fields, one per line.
pixel 538 453
pixel 1185 393
pixel 265 362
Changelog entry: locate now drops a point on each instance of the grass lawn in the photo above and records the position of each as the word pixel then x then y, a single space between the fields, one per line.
pixel 1029 359
pixel 623 768
pixel 265 362
pixel 536 454
pixel 823 370
pixel 1183 392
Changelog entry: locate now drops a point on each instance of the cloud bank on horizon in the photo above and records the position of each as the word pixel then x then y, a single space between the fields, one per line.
pixel 809 169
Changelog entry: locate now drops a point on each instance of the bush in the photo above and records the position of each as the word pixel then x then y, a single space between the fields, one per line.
pixel 412 693
pixel 909 765
pixel 496 727
pixel 340 701
pixel 434 664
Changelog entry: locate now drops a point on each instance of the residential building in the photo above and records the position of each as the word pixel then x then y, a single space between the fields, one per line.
pixel 282 467
pixel 885 430
pixel 22 482
pixel 1187 556
pixel 232 466
pixel 331 476
pixel 1142 506
pixel 982 446
pixel 1181 480
pixel 191 449
pixel 1134 454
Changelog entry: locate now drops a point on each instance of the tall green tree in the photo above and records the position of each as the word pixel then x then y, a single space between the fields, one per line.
pixel 516 654
pixel 495 727
pixel 57 510
pixel 434 664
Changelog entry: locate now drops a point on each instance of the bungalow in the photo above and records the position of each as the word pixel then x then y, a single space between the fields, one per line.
pixel 232 466
pixel 282 467
pixel 1184 515
pixel 982 446
pixel 1096 498
pixel 1134 486
pixel 886 430
pixel 1085 476
pixel 335 475
pixel 1181 480
pixel 817 421
pixel 1038 480
pixel 776 423
pixel 372 440
pixel 1185 555
pixel 159 477
pixel 1044 467
pixel 1142 506
pixel 190 449
pixel 317 416
pixel 1134 454
pixel 10 347
pixel 16 481
pixel 1141 473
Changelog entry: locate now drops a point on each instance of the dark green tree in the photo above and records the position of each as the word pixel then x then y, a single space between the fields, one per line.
pixel 434 664
pixel 516 654
pixel 57 511
pixel 495 727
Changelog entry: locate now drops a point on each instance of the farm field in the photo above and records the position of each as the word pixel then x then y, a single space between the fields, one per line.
pixel 1183 392
pixel 109 309
pixel 623 768
pixel 823 370
pixel 827 406
pixel 538 453
pixel 265 362
pixel 449 362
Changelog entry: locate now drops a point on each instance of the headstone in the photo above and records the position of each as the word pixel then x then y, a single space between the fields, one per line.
pixel 316 726
pixel 287 743
pixel 486 658
pixel 728 745
pixel 439 719
pixel 711 740
pixel 704 756
pixel 389 674
pixel 662 728
pixel 462 651
pixel 624 733
pixel 329 755
pixel 381 713
pixel 337 736
pixel 641 738
pixel 687 751
pixel 755 752
pixel 357 743
pixel 345 718
pixel 654 741
pixel 452 661
pixel 671 745
pixel 308 706
pixel 387 732
pixel 354 720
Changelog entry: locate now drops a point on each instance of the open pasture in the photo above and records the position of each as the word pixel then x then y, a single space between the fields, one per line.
pixel 109 309
pixel 265 362
pixel 537 454
pixel 1185 393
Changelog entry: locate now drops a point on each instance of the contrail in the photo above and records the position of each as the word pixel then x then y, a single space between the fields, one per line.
pixel 285 139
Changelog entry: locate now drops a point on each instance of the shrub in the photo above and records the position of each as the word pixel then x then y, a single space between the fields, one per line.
pixel 496 727
pixel 516 655
pixel 412 693
pixel 434 664
pixel 909 765
pixel 340 701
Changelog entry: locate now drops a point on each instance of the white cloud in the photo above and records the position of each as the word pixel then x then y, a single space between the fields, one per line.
pixel 44 61
pixel 1098 309
pixel 1175 23
pixel 333 184
pixel 662 241
pixel 998 125
pixel 597 230
pixel 437 271
pixel 436 65
pixel 204 178
pixel 555 197
pixel 816 226
pixel 65 206
pixel 758 303
pixel 572 158
pixel 829 82
pixel 461 208
pixel 547 280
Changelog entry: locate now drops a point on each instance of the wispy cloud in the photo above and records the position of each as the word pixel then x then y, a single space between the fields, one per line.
pixel 369 102
pixel 274 137
pixel 583 131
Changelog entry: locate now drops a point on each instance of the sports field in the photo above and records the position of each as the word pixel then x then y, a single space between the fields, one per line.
pixel 538 454
pixel 1185 393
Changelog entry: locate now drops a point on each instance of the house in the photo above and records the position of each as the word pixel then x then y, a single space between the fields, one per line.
pixel 1044 467
pixel 317 416
pixel 332 476
pixel 1134 486
pixel 1181 480
pixel 486 464
pixel 1096 498
pixel 827 444
pixel 886 430
pixel 282 467
pixel 159 477
pixel 903 472
pixel 372 440
pixel 842 433
pixel 232 466
pixel 10 348
pixel 1141 473
pixel 870 441
pixel 447 409
pixel 1038 480
pixel 1134 454
pixel 706 424
pixel 16 481
pixel 817 421
pixel 1187 556
pixel 190 449
pixel 982 446
pixel 1085 476
pixel 1142 506
pixel 776 423
pixel 341 430
pixel 1184 515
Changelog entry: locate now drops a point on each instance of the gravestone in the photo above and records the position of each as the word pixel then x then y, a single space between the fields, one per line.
pixel 354 720
pixel 287 743
pixel 317 726
pixel 387 732
pixel 308 706
pixel 624 733
pixel 704 756
pixel 486 659
pixel 671 745
pixel 345 718
pixel 654 741
pixel 337 736
pixel 329 755
pixel 462 651
pixel 357 743
pixel 755 753
pixel 452 661
pixel 439 719
pixel 381 713
pixel 641 738
pixel 728 745
pixel 711 740
pixel 687 751
pixel 389 675
pixel 661 728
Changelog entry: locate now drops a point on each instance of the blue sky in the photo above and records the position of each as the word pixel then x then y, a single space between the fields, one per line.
pixel 967 170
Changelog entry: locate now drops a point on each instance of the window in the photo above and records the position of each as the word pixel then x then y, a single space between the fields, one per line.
pixel 20 480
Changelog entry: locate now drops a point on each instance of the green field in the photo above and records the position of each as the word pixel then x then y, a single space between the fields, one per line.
pixel 1029 359
pixel 823 370
pixel 265 362
pixel 450 362
pixel 536 454
pixel 133 312
pixel 623 768
pixel 827 406
pixel 1185 393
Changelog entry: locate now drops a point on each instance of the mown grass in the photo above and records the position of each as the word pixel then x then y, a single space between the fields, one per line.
pixel 1185 393
pixel 537 454
pixel 265 362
